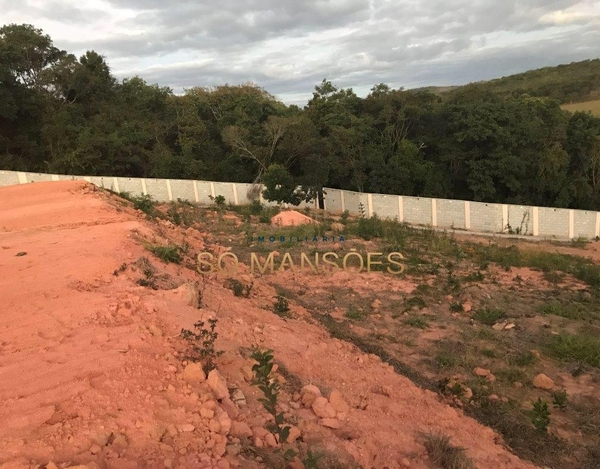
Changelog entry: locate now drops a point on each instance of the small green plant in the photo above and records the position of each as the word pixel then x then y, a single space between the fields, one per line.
pixel 522 359
pixel 559 399
pixel 577 347
pixel 145 203
pixel 174 215
pixel 416 322
pixel 269 385
pixel 540 415
pixel 443 453
pixel 456 307
pixel 354 313
pixel 488 316
pixel 170 253
pixel 202 344
pixel 281 306
pixel 219 201
pixel 344 217
pixel 311 460
pixel 238 288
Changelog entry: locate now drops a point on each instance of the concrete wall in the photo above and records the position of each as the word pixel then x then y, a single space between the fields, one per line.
pixel 442 213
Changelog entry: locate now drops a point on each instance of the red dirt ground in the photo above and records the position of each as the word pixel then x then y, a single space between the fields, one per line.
pixel 90 362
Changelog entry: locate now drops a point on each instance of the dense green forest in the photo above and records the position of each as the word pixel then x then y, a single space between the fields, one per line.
pixel 63 114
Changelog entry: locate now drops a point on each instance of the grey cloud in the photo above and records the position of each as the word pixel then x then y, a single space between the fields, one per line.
pixel 288 46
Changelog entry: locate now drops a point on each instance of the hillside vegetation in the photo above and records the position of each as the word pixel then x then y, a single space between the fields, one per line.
pixel 570 83
pixel 486 142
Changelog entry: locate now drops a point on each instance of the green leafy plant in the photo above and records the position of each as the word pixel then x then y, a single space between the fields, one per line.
pixel 281 307
pixel 488 316
pixel 540 415
pixel 311 460
pixel 145 203
pixel 270 387
pixel 170 253
pixel 219 201
pixel 559 399
pixel 238 288
pixel 202 344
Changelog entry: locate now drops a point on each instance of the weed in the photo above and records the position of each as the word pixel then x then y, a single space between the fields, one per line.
pixel 511 375
pixel 344 217
pixel 311 460
pixel 219 201
pixel 238 288
pixel 354 313
pixel 578 347
pixel 269 385
pixel 121 269
pixel 416 322
pixel 202 344
pixel 443 453
pixel 415 302
pixel 554 277
pixel 474 277
pixel 445 360
pixel 145 203
pixel 522 359
pixel 540 415
pixel 456 307
pixel 488 316
pixel 281 307
pixel 489 353
pixel 170 253
pixel 559 399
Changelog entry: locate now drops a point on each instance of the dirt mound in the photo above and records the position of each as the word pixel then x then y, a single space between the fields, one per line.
pixel 291 218
pixel 92 369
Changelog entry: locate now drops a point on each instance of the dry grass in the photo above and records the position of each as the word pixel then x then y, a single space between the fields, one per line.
pixel 593 106
pixel 443 453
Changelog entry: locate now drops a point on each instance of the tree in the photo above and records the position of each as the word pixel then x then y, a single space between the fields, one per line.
pixel 281 187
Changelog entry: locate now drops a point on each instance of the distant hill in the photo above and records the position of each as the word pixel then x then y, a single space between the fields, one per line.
pixel 576 82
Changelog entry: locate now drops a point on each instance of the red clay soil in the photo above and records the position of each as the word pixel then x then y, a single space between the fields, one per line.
pixel 291 218
pixel 91 368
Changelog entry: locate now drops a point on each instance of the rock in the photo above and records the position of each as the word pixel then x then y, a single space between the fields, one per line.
pixel 493 398
pixel 238 397
pixel 168 463
pixel 193 373
pixel 240 430
pixel 337 401
pixel 225 423
pixel 542 381
pixel 467 307
pixel 510 326
pixel 229 406
pixel 218 385
pixel 247 373
pixel 207 413
pixel 386 391
pixel 95 449
pixel 186 428
pixel 491 378
pixel 405 463
pixel 536 354
pixel 270 440
pixel 482 372
pixel 294 434
pixel 330 423
pixel 309 393
pixel 467 393
pixel 51 465
pixel 518 385
pixel 322 408
pixel 376 305
pixel 499 326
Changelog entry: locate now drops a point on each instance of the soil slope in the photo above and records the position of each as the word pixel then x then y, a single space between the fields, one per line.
pixel 92 369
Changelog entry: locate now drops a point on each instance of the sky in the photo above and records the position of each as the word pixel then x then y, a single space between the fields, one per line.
pixel 289 46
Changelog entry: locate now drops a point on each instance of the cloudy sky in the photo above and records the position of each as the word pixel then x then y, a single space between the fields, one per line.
pixel 289 46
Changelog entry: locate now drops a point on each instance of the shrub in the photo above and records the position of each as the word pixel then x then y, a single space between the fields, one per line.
pixel 145 203
pixel 281 307
pixel 443 453
pixel 559 399
pixel 540 415
pixel 170 253
pixel 202 344
pixel 488 316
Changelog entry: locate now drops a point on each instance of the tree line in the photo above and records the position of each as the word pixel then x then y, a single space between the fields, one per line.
pixel 69 115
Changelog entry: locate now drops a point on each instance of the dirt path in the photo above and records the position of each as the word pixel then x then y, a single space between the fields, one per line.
pixel 91 370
